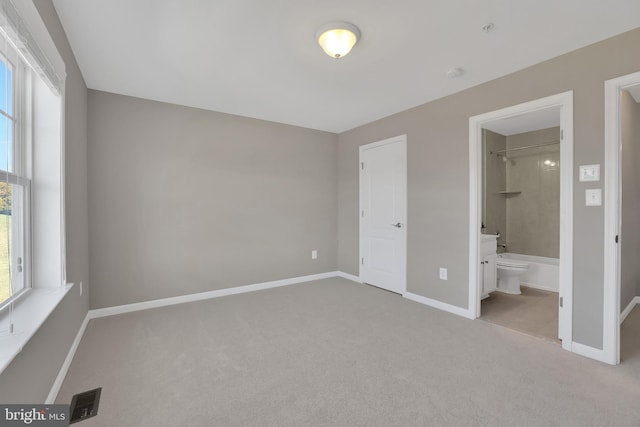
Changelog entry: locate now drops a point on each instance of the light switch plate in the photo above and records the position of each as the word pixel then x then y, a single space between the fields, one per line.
pixel 589 173
pixel 443 274
pixel 593 197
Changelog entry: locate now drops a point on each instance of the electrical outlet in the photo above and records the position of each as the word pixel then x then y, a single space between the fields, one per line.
pixel 443 274
pixel 314 254
pixel 593 197
pixel 80 288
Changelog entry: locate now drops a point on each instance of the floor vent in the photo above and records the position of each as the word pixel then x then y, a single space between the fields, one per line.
pixel 85 405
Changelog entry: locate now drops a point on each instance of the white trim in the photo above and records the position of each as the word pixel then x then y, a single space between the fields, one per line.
pixel 612 214
pixel 38 29
pixel 565 285
pixel 475 211
pixel 29 314
pixel 627 310
pixel 349 277
pixel 439 305
pixel 590 352
pixel 565 101
pixel 402 140
pixel 63 147
pixel 55 388
pixel 127 308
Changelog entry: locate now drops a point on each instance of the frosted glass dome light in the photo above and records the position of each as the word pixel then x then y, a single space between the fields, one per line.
pixel 337 38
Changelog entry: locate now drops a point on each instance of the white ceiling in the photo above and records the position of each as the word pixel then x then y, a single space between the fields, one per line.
pixel 259 58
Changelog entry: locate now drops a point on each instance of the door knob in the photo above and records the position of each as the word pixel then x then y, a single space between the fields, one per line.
pixel 398 225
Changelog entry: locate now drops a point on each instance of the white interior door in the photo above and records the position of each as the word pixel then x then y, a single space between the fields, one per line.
pixel 383 214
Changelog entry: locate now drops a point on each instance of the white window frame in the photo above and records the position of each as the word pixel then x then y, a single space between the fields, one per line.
pixel 20 168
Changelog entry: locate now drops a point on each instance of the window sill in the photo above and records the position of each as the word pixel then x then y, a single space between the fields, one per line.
pixel 29 314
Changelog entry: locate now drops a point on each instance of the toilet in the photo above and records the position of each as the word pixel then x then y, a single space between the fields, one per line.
pixel 509 272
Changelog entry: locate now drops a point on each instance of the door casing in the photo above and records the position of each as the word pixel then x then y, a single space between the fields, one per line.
pixel 613 214
pixel 565 102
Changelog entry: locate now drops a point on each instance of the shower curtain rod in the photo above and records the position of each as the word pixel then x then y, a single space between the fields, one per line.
pixel 524 148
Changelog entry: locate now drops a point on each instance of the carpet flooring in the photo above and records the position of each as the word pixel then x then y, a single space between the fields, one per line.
pixel 534 312
pixel 338 353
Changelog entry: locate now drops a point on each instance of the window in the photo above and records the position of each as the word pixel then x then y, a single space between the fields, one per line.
pixel 32 234
pixel 14 180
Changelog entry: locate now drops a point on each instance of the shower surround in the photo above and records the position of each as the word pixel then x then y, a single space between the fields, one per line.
pixel 522 194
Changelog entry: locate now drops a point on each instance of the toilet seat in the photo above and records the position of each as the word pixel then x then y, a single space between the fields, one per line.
pixel 511 263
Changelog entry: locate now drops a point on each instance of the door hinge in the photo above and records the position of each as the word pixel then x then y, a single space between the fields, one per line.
pixel 362 214
pixel 617 239
pixel 561 302
pixel 562 134
pixel 362 165
pixel 362 261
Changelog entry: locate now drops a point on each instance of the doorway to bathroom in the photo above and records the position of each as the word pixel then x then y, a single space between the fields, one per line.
pixel 521 217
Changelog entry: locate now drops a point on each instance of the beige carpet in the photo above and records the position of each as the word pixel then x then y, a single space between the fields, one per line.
pixel 534 312
pixel 337 353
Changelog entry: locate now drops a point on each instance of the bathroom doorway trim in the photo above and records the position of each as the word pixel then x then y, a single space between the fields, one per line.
pixel 612 213
pixel 565 102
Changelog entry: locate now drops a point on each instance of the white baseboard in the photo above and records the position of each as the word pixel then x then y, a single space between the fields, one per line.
pixel 127 308
pixel 438 304
pixel 628 309
pixel 53 393
pixel 349 277
pixel 590 352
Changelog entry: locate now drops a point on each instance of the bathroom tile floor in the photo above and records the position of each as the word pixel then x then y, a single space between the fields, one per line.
pixel 534 312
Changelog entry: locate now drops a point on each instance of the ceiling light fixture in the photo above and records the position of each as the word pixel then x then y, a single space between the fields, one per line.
pixel 337 38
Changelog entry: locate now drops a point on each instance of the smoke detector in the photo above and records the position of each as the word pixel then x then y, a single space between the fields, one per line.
pixel 454 72
pixel 487 28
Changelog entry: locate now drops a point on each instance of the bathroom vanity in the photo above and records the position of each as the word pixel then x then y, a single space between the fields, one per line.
pixel 488 259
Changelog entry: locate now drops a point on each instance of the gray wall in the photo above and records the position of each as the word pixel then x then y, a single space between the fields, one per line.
pixel 495 175
pixel 438 174
pixel 533 216
pixel 28 379
pixel 630 233
pixel 184 200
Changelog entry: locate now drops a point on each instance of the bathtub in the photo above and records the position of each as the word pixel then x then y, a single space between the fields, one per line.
pixel 543 273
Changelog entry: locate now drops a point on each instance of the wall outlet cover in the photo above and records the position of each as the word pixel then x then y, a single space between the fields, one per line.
pixel 593 197
pixel 314 254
